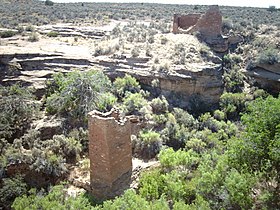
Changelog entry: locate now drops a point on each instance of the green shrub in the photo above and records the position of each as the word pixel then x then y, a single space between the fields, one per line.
pixel 20 29
pixel 55 199
pixel 147 145
pixel 126 84
pixel 154 184
pixel 135 52
pixel 71 147
pixel 105 48
pixel 10 189
pixel 159 105
pixel 77 93
pixel 151 39
pixel 163 40
pixel 184 118
pixel 106 101
pixel 239 187
pixel 47 162
pixel 233 103
pixel 234 80
pixel 219 115
pixel 133 103
pixel 170 159
pixel 52 34
pixel 260 141
pixel 175 134
pixel 29 28
pixel 130 200
pixel 18 109
pixel 269 56
pixel 198 204
pixel 179 54
pixel 81 135
pixel 7 34
pixel 213 169
pixel 260 93
pixel 33 37
pixel 151 185
pixel 175 187
pixel 257 149
pixel 196 145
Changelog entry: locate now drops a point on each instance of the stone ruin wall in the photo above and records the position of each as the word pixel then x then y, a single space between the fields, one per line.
pixel 110 154
pixel 184 21
pixel 208 24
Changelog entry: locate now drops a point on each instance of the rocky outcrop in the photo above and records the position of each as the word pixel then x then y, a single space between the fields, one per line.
pixel 180 85
pixel 33 69
pixel 72 31
pixel 266 76
pixel 31 64
pixel 48 127
pixel 32 177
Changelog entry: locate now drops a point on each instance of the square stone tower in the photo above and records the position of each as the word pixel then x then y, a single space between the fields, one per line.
pixel 110 154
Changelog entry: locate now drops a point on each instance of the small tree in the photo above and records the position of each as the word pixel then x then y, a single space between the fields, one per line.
pixel 77 93
pixel 18 108
pixel 49 3
pixel 258 148
pixel 272 8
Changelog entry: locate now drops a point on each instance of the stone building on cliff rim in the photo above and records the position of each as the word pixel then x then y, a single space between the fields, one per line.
pixel 207 26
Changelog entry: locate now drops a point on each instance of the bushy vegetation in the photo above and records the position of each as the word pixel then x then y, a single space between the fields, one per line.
pixel 52 34
pixel 10 189
pixel 55 199
pixel 269 56
pixel 77 93
pixel 147 145
pixel 126 84
pixel 18 108
pixel 7 34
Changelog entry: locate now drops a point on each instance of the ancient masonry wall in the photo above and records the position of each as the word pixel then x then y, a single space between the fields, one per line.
pixel 208 24
pixel 110 154
pixel 184 21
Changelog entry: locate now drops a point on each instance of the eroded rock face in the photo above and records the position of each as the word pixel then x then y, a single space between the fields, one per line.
pixel 266 76
pixel 32 177
pixel 33 69
pixel 48 127
pixel 110 154
pixel 181 85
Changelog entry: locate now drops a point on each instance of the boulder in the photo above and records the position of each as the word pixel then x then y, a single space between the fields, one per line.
pixel 49 126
